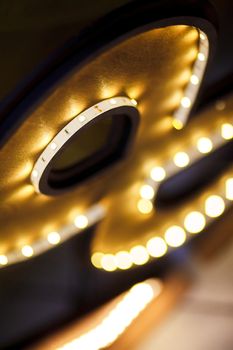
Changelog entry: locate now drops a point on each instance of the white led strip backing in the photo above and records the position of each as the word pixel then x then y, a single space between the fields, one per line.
pixel 96 213
pixel 70 130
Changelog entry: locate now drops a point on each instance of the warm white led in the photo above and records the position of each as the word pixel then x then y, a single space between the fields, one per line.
pixel 227 131
pixel 81 221
pixel 202 36
pixel 194 79
pixel 229 189
pixel 201 56
pixel 53 145
pixel 145 206
pixel 3 260
pixel 204 145
pixel 181 159
pixel 214 206
pixel 185 102
pixel 54 238
pixel 108 262
pixel 134 102
pixel 113 101
pixel 139 255
pixel 96 259
pixel 177 124
pixel 156 247
pixel 123 260
pixel 158 174
pixel 27 251
pixel 175 236
pixel 147 192
pixel 82 118
pixel 34 173
pixel 194 222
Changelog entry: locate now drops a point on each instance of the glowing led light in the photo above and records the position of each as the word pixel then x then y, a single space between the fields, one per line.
pixel 27 251
pixel 214 206
pixel 185 102
pixel 147 192
pixel 181 159
pixel 96 259
pixel 113 101
pixel 34 173
pixel 194 79
pixel 201 56
pixel 177 124
pixel 229 189
pixel 144 206
pixel 82 118
pixel 227 131
pixel 202 36
pixel 123 260
pixel 156 247
pixel 108 262
pixel 54 238
pixel 139 255
pixel 204 145
pixel 158 174
pixel 194 222
pixel 81 221
pixel 134 102
pixel 3 260
pixel 53 145
pixel 175 236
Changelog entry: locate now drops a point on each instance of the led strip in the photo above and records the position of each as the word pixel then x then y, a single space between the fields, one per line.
pixel 180 117
pixel 118 319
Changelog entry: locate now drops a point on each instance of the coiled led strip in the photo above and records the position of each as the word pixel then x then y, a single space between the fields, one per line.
pixel 180 117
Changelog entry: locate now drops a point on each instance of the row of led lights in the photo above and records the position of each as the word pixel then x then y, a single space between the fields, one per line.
pixel 118 319
pixel 204 145
pixel 175 236
pixel 180 116
pixel 80 223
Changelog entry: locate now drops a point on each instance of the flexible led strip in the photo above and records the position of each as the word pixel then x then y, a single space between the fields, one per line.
pixel 96 212
pixel 118 319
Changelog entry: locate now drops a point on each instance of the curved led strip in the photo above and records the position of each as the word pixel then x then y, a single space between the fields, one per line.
pixel 76 124
pixel 179 119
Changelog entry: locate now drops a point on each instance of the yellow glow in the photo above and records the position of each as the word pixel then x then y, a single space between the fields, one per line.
pixel 156 247
pixel 181 159
pixel 194 79
pixel 175 236
pixel 123 260
pixel 54 238
pixel 202 36
pixel 134 102
pixel 81 221
pixel 214 206
pixel 158 174
pixel 3 260
pixel 108 262
pixel 185 102
pixel 147 192
pixel 145 206
pixel 194 222
pixel 229 189
pixel 27 251
pixel 177 124
pixel 204 145
pixel 139 255
pixel 227 131
pixel 113 101
pixel 96 259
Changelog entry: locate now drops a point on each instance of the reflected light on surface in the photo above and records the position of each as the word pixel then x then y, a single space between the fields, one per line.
pixel 118 319
pixel 214 206
pixel 194 222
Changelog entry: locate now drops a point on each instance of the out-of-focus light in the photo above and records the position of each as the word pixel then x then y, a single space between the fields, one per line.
pixel 194 222
pixel 123 260
pixel 214 206
pixel 158 174
pixel 108 262
pixel 96 259
pixel 139 255
pixel 81 221
pixel 54 238
pixel 175 236
pixel 134 102
pixel 27 251
pixel 147 192
pixel 3 260
pixel 204 145
pixel 201 56
pixel 185 102
pixel 181 159
pixel 227 131
pixel 194 79
pixel 156 247
pixel 145 206
pixel 177 124
pixel 229 189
